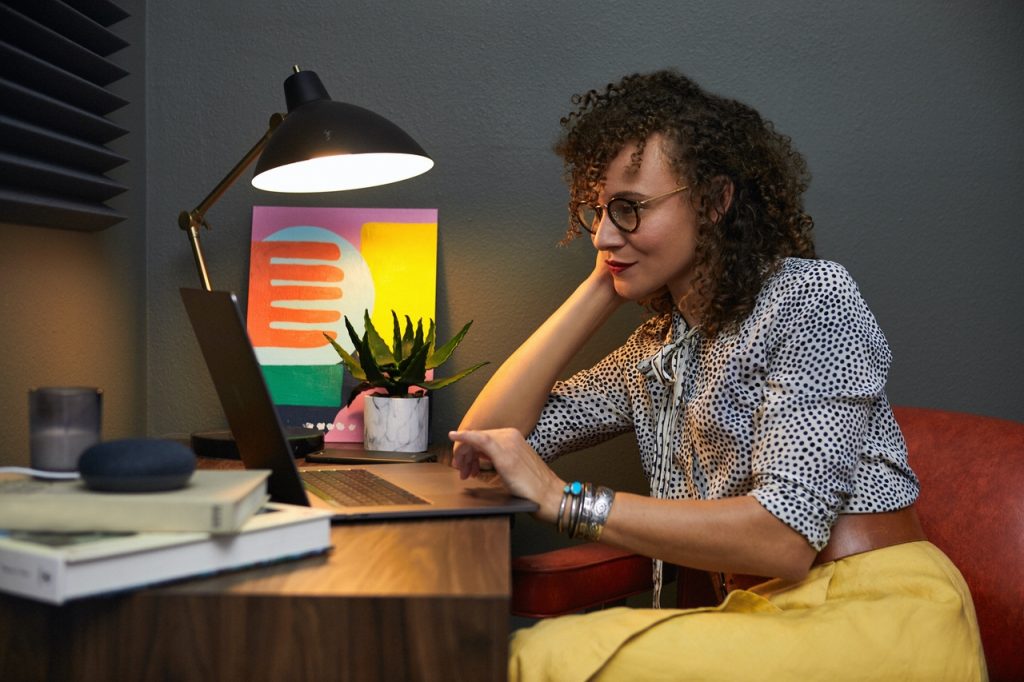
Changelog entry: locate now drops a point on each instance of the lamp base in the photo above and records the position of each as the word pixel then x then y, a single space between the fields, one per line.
pixel 221 444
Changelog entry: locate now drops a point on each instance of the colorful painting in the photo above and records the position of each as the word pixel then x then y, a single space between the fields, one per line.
pixel 312 267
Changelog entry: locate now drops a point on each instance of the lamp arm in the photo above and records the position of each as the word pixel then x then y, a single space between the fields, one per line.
pixel 191 221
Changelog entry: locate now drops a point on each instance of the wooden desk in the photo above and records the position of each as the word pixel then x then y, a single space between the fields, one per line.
pixel 412 600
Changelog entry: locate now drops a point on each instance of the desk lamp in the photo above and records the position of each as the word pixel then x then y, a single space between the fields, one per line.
pixel 319 146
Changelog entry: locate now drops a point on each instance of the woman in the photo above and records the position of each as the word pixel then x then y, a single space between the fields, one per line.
pixel 756 395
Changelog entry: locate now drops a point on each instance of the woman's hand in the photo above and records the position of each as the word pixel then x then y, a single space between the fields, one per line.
pixel 519 466
pixel 601 277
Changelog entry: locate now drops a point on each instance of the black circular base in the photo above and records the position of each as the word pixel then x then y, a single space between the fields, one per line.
pixel 221 444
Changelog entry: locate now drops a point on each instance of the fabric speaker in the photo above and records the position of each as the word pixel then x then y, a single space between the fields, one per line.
pixel 136 465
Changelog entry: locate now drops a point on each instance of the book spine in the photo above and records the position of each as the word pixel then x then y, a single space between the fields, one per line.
pixel 209 516
pixel 204 557
pixel 38 577
pixel 155 516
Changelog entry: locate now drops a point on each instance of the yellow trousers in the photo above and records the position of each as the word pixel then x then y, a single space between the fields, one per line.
pixel 898 613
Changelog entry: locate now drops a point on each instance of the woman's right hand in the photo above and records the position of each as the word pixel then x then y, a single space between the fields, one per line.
pixel 520 467
pixel 601 275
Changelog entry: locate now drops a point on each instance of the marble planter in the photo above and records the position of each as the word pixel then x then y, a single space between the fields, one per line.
pixel 395 424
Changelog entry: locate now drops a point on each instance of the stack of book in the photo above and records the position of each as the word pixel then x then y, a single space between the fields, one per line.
pixel 61 541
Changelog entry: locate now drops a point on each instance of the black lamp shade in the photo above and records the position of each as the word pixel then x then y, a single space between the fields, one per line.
pixel 324 146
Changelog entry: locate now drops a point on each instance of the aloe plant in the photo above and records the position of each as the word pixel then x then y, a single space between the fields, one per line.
pixel 402 366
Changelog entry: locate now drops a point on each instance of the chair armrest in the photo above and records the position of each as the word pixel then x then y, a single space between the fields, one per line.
pixel 576 578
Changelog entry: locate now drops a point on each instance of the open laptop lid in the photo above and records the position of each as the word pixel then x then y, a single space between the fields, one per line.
pixel 224 341
pixel 220 329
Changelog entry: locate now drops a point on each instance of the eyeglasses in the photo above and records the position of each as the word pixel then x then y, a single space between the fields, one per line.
pixel 625 213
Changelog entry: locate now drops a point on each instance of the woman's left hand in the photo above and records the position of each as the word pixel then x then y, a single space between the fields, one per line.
pixel 519 466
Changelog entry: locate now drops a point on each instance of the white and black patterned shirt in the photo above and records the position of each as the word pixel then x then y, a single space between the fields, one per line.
pixel 790 408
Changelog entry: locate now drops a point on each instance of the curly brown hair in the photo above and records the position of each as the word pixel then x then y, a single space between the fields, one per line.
pixel 712 142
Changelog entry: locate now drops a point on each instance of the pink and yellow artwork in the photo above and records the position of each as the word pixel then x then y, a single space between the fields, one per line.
pixel 312 267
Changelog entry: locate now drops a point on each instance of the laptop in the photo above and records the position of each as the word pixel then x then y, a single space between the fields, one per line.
pixel 408 490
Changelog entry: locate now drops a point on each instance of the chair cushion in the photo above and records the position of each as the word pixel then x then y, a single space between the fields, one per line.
pixel 576 578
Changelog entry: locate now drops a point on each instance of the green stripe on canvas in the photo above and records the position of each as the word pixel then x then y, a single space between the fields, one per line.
pixel 313 385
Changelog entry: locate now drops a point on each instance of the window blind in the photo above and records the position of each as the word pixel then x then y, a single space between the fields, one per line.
pixel 54 103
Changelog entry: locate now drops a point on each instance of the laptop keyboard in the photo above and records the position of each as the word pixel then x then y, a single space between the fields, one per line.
pixel 357 488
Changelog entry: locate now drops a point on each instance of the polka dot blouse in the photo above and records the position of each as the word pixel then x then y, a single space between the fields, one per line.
pixel 790 408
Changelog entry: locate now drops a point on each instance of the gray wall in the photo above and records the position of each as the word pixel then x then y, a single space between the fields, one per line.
pixel 73 304
pixel 909 114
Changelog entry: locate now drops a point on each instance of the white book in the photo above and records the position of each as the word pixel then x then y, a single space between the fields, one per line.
pixel 218 501
pixel 56 567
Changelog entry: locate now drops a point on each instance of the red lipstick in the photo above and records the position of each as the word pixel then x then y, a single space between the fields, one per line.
pixel 617 267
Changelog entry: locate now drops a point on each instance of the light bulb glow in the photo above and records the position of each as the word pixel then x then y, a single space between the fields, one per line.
pixel 341 172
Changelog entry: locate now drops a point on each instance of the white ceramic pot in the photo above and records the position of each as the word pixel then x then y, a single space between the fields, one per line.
pixel 395 424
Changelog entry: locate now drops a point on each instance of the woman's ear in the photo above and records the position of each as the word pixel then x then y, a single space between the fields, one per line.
pixel 725 197
pixel 725 193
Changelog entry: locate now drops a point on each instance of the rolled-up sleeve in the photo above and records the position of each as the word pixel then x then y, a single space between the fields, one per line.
pixel 824 377
pixel 588 408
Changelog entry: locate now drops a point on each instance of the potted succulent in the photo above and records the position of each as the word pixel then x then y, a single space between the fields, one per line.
pixel 396 420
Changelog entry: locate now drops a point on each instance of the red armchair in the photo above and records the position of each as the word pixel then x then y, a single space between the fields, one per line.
pixel 971 506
